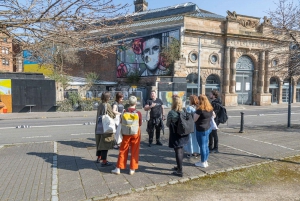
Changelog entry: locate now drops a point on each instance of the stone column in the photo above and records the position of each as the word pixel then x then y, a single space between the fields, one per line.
pixel 261 74
pixel 226 71
pixel 280 92
pixel 254 84
pixel 267 67
pixel 233 71
pixel 294 91
pixel 202 89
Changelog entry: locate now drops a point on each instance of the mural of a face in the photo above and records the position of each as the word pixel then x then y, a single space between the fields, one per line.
pixel 151 53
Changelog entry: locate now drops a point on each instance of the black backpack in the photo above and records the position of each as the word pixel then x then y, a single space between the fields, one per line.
pixel 222 114
pixel 185 124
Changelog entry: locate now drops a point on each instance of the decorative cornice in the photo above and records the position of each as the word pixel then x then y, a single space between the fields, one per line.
pixel 247 22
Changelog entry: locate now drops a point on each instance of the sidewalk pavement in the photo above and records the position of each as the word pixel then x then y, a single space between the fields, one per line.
pixel 39 115
pixel 66 170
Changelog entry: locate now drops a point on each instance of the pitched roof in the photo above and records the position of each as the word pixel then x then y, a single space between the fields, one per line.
pixel 170 14
pixel 179 9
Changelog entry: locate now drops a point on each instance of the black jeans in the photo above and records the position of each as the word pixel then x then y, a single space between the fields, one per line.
pixel 150 129
pixel 213 139
pixel 103 154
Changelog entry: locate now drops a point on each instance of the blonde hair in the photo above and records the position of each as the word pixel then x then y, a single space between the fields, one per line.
pixel 204 104
pixel 176 103
pixel 132 100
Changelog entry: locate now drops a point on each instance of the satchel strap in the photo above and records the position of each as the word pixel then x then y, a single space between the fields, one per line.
pixel 105 108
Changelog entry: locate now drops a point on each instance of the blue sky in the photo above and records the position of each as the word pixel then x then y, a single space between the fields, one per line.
pixel 256 8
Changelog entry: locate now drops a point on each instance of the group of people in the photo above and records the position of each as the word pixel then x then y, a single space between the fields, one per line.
pixel 201 142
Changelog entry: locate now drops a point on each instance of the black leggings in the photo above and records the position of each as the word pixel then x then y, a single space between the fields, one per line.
pixel 179 157
pixel 103 154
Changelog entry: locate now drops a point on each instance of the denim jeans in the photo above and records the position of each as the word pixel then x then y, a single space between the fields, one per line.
pixel 202 138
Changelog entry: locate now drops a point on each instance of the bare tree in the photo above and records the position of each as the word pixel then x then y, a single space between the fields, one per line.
pixel 52 29
pixel 284 29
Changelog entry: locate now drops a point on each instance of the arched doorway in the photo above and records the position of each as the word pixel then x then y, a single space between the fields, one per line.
pixel 298 91
pixel 212 83
pixel 244 72
pixel 274 89
pixel 192 85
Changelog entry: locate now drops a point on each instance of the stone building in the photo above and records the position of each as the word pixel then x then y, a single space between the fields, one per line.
pixel 235 56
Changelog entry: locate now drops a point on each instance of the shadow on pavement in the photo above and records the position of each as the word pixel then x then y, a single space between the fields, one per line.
pixel 75 163
pixel 77 144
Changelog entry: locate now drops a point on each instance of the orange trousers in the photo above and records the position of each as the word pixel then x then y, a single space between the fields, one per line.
pixel 132 141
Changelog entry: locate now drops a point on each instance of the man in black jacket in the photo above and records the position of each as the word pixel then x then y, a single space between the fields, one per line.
pixel 155 106
pixel 213 137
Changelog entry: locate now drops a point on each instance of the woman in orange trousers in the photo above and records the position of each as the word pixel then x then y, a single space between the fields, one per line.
pixel 132 141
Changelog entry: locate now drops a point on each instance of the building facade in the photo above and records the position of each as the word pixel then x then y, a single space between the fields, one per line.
pixel 235 55
pixel 6 64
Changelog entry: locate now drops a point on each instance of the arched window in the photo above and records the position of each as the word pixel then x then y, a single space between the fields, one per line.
pixel 244 63
pixel 212 79
pixel 273 89
pixel 192 78
pixel 212 83
pixel 274 81
pixel 192 85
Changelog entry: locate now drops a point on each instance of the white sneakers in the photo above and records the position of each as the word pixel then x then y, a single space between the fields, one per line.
pixel 200 164
pixel 118 171
pixel 131 172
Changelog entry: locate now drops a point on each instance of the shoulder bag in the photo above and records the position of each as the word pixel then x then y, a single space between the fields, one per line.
pixel 105 124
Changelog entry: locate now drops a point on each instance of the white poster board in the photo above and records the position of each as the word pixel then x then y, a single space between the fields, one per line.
pixel 238 86
pixel 247 86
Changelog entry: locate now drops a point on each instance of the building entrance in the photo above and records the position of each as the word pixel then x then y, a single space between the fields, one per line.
pixel 192 86
pixel 243 87
pixel 273 89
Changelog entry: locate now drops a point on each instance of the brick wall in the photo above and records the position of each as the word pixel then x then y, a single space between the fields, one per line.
pixel 104 66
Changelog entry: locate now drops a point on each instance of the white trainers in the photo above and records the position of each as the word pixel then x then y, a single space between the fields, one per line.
pixel 131 172
pixel 200 164
pixel 206 164
pixel 116 171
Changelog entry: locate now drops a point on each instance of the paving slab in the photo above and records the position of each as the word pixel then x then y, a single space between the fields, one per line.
pixel 26 169
pixel 25 173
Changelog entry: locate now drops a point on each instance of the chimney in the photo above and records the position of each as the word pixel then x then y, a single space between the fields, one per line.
pixel 140 5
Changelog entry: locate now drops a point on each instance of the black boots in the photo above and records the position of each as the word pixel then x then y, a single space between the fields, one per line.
pixel 158 143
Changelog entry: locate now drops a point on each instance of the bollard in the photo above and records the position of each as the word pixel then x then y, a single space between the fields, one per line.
pixel 242 123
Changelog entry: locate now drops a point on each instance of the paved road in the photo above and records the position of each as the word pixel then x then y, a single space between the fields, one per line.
pixel 61 165
pixel 65 126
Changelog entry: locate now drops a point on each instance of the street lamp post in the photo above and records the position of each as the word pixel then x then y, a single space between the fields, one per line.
pixel 199 69
pixel 290 101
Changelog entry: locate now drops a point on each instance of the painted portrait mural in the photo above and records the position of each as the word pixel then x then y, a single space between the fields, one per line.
pixel 143 56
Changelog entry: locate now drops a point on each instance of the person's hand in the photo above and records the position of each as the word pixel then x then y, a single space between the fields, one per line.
pixel 163 117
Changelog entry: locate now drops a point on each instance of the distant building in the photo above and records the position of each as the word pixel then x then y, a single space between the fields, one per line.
pixel 234 58
pixel 6 64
